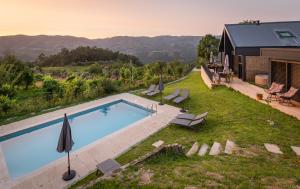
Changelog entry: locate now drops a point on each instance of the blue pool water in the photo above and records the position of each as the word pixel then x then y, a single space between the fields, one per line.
pixel 30 149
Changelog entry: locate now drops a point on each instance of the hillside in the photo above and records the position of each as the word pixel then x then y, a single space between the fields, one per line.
pixel 147 49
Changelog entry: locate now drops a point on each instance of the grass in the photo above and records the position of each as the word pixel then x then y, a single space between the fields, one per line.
pixel 231 116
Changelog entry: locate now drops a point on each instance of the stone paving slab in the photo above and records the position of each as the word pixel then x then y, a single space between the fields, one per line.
pixel 273 148
pixel 193 149
pixel 215 149
pixel 84 160
pixel 203 150
pixel 296 149
pixel 230 146
pixel 158 143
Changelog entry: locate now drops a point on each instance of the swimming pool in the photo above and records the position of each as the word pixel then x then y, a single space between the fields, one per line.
pixel 30 149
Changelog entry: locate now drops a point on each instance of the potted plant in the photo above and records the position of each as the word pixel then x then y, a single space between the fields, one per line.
pixel 259 96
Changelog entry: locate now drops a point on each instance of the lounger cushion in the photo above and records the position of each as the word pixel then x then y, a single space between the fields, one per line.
pixel 173 95
pixel 179 99
pixel 183 122
pixel 196 122
pixel 153 93
pixel 150 89
pixel 192 116
pixel 186 116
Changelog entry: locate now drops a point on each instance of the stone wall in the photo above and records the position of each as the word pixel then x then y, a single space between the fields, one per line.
pixel 256 65
pixel 206 79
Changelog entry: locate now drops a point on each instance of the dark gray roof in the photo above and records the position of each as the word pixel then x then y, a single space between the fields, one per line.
pixel 263 34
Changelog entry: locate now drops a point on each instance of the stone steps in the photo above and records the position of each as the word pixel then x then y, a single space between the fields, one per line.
pixel 230 147
pixel 193 149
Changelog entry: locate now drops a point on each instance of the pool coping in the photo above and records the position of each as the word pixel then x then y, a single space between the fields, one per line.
pixel 89 155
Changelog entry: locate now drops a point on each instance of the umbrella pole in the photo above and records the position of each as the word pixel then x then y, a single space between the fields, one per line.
pixel 161 102
pixel 70 174
pixel 69 170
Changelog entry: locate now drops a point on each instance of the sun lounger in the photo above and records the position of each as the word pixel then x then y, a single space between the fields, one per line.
pixel 187 123
pixel 287 97
pixel 149 90
pixel 154 92
pixel 192 117
pixel 184 95
pixel 173 95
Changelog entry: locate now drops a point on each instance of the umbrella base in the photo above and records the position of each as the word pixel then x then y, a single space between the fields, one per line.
pixel 160 103
pixel 66 176
pixel 183 111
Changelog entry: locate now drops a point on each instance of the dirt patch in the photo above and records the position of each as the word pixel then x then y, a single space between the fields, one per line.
pixel 279 183
pixel 215 176
pixel 145 176
pixel 249 152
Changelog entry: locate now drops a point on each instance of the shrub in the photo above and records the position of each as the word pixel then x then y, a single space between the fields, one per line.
pixel 95 69
pixel 51 87
pixel 108 86
pixel 7 90
pixel 6 103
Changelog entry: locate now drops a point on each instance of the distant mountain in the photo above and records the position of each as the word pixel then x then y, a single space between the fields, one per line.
pixel 147 49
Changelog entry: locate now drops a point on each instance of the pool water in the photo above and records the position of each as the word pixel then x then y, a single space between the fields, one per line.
pixel 30 149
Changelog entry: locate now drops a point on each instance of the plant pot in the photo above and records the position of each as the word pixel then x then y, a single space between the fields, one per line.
pixel 259 96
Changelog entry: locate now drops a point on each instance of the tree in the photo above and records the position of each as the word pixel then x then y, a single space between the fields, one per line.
pixel 27 77
pixel 50 87
pixel 208 44
pixel 6 103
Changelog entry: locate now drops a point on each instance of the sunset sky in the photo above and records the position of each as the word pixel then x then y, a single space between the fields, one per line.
pixel 107 18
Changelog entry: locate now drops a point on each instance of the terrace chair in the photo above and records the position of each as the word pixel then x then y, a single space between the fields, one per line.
pixel 154 92
pixel 149 90
pixel 192 117
pixel 274 89
pixel 173 95
pixel 187 123
pixel 183 96
pixel 287 97
pixel 274 85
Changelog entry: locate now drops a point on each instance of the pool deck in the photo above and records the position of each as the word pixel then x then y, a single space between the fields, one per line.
pixel 85 159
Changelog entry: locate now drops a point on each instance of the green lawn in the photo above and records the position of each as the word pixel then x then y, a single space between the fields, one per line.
pixel 231 116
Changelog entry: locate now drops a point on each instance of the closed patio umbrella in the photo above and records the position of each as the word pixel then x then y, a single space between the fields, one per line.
pixel 226 64
pixel 161 88
pixel 211 57
pixel 65 144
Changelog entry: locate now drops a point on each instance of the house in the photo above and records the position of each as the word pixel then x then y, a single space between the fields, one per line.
pixel 271 48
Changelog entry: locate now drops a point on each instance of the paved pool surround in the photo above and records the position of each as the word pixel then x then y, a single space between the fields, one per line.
pixel 85 159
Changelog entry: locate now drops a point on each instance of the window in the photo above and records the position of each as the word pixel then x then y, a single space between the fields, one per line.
pixel 285 34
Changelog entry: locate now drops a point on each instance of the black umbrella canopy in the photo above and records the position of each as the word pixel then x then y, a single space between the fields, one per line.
pixel 161 84
pixel 65 141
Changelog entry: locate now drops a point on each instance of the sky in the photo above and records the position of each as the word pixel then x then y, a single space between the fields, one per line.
pixel 107 18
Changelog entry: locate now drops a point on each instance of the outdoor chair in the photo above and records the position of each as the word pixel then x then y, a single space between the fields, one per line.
pixel 273 90
pixel 154 92
pixel 192 117
pixel 183 96
pixel 149 90
pixel 187 123
pixel 173 95
pixel 285 98
pixel 273 86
